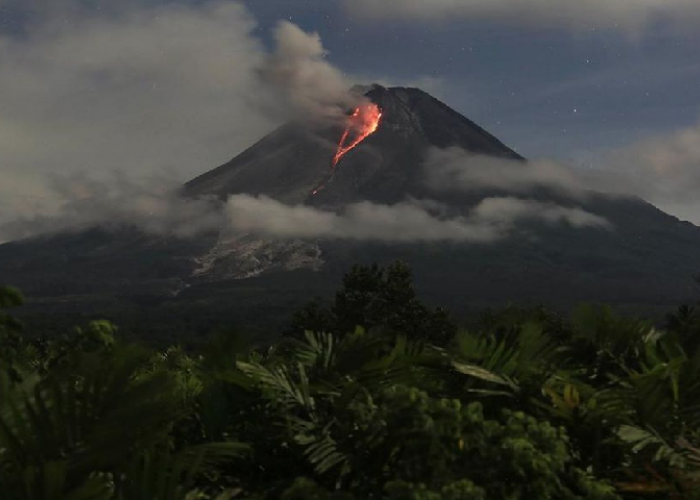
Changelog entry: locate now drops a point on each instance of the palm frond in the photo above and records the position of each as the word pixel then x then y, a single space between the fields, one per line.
pixel 159 474
pixel 96 415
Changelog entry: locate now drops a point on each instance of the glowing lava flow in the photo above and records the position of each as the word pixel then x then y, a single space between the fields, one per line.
pixel 361 124
pixel 364 121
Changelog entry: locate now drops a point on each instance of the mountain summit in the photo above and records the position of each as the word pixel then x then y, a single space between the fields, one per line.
pixel 292 160
pixel 647 260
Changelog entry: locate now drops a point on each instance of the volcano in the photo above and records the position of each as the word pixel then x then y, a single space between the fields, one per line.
pixel 387 165
pixel 191 285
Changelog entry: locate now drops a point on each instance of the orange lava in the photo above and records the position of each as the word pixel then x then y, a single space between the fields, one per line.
pixel 363 122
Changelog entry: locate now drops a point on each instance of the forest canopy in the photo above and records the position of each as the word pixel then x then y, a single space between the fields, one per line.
pixel 375 395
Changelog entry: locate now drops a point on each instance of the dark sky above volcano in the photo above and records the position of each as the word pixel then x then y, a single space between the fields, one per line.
pixel 549 89
pixel 147 86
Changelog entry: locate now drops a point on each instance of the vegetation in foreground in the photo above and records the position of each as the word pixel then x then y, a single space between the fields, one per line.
pixel 376 396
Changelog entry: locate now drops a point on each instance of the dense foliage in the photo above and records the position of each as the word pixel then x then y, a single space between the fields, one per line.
pixel 379 299
pixel 523 406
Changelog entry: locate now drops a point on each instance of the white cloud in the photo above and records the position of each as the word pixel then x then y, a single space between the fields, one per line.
pixel 627 15
pixel 663 169
pixel 152 88
pixel 508 210
pixel 143 90
pixel 456 169
pixel 152 205
pixel 489 221
pixel 360 221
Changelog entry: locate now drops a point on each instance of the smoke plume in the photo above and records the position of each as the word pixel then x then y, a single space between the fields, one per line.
pixel 305 84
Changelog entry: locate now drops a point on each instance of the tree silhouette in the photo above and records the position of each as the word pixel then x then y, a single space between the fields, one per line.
pixel 374 297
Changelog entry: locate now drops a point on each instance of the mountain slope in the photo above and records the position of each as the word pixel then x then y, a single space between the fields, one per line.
pixel 291 161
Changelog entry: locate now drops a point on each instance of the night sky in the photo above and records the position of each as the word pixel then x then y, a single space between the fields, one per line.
pixel 545 92
pixel 167 86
